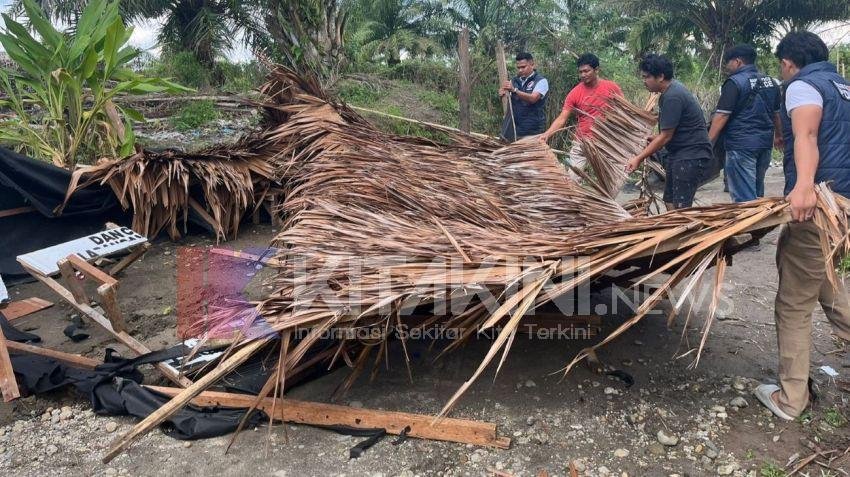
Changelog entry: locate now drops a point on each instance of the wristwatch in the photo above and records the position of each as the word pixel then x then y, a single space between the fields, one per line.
pixel 515 90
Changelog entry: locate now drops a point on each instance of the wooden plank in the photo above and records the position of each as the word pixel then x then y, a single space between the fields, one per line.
pixel 464 431
pixel 109 302
pixel 464 92
pixel 74 360
pixel 8 385
pixel 16 211
pixel 90 271
pixel 69 276
pixel 182 398
pixel 267 259
pixel 27 306
pixel 129 259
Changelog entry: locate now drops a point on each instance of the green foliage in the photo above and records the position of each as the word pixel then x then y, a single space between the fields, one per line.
pixel 242 77
pixel 770 469
pixel 445 103
pixel 359 93
pixel 184 68
pixel 62 91
pixel 195 115
pixel 834 417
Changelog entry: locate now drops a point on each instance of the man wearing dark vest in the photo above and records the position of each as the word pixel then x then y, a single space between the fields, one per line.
pixel 816 130
pixel 747 116
pixel 527 92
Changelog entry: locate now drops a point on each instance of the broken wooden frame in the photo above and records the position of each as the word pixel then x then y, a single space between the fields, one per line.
pixel 72 290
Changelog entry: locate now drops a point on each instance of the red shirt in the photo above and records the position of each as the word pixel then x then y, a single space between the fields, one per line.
pixel 589 103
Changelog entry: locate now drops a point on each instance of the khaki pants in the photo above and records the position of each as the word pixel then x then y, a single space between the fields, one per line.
pixel 577 160
pixel 802 285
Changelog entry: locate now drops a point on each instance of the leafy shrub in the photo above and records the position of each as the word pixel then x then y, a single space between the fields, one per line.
pixel 195 115
pixel 184 68
pixel 241 77
pixel 359 93
pixel 62 91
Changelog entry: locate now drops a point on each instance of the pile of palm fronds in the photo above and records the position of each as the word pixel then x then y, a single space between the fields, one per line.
pixel 618 135
pixel 379 225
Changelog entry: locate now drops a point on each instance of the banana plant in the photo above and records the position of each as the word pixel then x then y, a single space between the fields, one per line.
pixel 63 91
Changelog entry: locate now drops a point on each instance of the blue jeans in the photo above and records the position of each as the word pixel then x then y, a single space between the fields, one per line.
pixel 745 170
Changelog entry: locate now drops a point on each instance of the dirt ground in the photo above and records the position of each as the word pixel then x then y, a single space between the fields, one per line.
pixel 594 420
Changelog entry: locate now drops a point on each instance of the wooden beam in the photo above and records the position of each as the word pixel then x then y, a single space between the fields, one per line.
pixel 91 271
pixel 69 276
pixel 265 259
pixel 182 398
pixel 129 259
pixel 27 306
pixel 109 302
pixel 16 211
pixel 8 385
pixel 464 92
pixel 302 412
pixel 74 360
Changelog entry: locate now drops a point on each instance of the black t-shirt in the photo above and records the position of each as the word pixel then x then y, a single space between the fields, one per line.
pixel 729 98
pixel 679 110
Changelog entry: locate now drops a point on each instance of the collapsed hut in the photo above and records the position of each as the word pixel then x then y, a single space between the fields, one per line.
pixel 377 225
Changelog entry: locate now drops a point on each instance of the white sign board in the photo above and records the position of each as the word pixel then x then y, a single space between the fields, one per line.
pixel 88 248
pixel 4 295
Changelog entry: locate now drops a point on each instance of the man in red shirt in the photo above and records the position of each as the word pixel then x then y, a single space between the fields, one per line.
pixel 588 99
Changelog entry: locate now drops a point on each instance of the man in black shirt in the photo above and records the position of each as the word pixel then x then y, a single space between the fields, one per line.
pixel 747 117
pixel 683 133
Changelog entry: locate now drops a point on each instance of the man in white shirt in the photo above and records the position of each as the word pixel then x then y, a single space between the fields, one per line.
pixel 816 132
pixel 527 92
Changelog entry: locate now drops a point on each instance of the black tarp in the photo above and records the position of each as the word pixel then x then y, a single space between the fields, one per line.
pixel 28 182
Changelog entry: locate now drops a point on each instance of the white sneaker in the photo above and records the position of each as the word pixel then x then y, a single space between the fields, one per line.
pixel 764 392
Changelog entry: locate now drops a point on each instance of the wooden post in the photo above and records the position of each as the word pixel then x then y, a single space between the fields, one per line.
pixel 464 72
pixel 69 276
pixel 503 73
pixel 8 385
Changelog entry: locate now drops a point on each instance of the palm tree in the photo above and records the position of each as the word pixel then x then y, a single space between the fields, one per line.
pixel 388 27
pixel 712 27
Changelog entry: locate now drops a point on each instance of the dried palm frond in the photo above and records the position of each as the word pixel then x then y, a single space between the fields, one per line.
pixel 618 135
pixel 378 225
pixel 220 184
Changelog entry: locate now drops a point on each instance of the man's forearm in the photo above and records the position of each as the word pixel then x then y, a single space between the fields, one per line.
pixel 558 123
pixel 654 146
pixel 777 125
pixel 718 122
pixel 528 97
pixel 806 158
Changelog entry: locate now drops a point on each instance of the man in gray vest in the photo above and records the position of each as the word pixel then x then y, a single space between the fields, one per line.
pixel 747 116
pixel 527 91
pixel 816 130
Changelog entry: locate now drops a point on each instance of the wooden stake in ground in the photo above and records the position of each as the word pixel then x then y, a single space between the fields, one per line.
pixel 464 71
pixel 502 65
